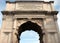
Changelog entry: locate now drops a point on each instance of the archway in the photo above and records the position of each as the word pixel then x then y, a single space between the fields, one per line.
pixel 30 26
pixel 29 37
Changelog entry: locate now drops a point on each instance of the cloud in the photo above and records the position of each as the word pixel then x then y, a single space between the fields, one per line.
pixel 0 19
pixel 57 7
pixel 58 20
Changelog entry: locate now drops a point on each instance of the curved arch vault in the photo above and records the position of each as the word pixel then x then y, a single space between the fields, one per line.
pixel 30 26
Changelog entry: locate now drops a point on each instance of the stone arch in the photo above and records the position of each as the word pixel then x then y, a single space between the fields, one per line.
pixel 30 26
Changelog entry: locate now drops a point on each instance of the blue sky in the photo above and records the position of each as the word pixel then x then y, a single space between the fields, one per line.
pixel 31 36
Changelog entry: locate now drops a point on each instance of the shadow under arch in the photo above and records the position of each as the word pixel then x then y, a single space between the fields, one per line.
pixel 30 26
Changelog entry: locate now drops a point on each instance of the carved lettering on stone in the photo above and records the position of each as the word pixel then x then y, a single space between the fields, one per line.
pixel 25 6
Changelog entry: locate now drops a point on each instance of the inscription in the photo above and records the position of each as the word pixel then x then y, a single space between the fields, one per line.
pixel 27 6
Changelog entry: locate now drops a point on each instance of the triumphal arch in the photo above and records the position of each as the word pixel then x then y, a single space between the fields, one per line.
pixel 39 16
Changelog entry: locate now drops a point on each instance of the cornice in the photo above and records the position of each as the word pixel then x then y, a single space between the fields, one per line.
pixel 30 1
pixel 40 12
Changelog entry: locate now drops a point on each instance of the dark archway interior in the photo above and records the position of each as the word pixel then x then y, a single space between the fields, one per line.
pixel 30 26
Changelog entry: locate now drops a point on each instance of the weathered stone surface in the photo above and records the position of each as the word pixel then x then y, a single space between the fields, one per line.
pixel 39 16
pixel 27 6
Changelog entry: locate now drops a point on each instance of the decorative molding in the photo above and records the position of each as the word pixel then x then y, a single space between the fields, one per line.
pixel 36 12
pixel 30 1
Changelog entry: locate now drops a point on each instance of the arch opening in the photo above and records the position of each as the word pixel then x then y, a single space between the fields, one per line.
pixel 30 26
pixel 29 37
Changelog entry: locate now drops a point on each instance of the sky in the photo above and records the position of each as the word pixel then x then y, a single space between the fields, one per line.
pixel 30 36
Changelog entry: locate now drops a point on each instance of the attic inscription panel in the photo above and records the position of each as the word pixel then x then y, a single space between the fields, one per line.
pixel 29 6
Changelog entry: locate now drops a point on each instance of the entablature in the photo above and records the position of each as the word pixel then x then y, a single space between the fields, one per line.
pixel 27 12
